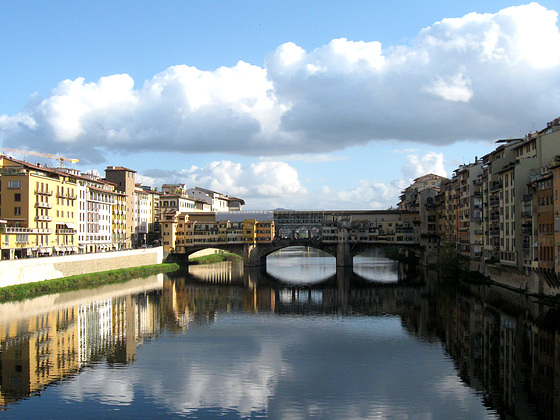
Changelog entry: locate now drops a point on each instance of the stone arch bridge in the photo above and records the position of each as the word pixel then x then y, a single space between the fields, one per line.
pixel 254 255
pixel 342 234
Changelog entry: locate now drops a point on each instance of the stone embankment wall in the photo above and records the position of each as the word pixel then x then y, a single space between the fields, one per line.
pixel 533 282
pixel 46 268
pixel 11 311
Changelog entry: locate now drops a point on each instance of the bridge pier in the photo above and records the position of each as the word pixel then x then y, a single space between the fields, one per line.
pixel 252 256
pixel 342 288
pixel 343 255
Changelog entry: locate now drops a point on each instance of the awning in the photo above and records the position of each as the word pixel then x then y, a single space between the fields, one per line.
pixel 70 226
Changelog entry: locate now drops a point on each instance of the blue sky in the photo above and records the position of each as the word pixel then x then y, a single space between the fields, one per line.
pixel 287 104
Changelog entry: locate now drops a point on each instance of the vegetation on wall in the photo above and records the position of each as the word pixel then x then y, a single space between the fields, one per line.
pixel 214 258
pixel 82 281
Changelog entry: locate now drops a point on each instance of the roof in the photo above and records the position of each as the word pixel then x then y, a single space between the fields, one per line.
pixel 236 199
pixel 119 168
pixel 38 167
pixel 102 190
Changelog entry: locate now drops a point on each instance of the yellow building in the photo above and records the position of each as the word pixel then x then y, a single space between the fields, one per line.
pixel 36 352
pixel 118 220
pixel 39 207
pixel 183 230
pixel 249 231
pixel 265 231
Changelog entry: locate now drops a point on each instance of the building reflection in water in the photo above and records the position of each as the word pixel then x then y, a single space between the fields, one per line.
pixel 505 346
pixel 39 346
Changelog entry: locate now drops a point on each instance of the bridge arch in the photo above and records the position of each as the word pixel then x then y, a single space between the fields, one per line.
pixel 279 245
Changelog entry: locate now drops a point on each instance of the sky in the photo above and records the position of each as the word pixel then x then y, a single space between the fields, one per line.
pixel 286 104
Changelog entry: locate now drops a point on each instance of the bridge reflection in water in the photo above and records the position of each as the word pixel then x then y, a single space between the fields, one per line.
pixel 504 346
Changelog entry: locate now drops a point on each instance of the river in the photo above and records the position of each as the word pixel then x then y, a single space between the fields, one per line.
pixel 301 340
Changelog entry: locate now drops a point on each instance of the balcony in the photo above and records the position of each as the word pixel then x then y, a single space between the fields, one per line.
pixel 526 213
pixel 67 195
pixel 65 231
pixel 527 197
pixel 43 205
pixel 44 192
pixel 494 202
pixel 43 218
pixel 496 186
pixel 25 230
pixel 404 230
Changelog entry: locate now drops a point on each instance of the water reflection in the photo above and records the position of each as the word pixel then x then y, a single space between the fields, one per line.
pixel 374 266
pixel 301 265
pixel 53 337
pixel 304 266
pixel 228 342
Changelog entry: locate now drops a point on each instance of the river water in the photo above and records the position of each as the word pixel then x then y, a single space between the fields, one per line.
pixel 302 340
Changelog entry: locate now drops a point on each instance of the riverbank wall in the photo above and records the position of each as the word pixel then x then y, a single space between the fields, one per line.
pixel 534 281
pixel 16 310
pixel 46 268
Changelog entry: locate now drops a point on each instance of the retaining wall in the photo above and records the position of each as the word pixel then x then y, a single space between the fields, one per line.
pixel 46 268
pixel 534 281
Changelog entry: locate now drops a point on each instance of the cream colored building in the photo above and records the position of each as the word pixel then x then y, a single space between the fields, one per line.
pixel 96 201
pixel 218 202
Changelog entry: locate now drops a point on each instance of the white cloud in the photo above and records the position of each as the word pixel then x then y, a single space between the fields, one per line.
pixel 258 181
pixel 416 166
pixel 268 185
pixel 477 77
pixel 371 195
pixel 455 89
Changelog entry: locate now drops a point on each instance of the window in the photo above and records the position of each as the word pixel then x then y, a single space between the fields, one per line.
pixel 17 211
pixel 14 184
pixel 17 197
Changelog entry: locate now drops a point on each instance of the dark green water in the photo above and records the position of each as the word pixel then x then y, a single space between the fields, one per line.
pixel 303 340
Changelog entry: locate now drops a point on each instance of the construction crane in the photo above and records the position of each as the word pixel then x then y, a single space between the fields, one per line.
pixel 61 159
